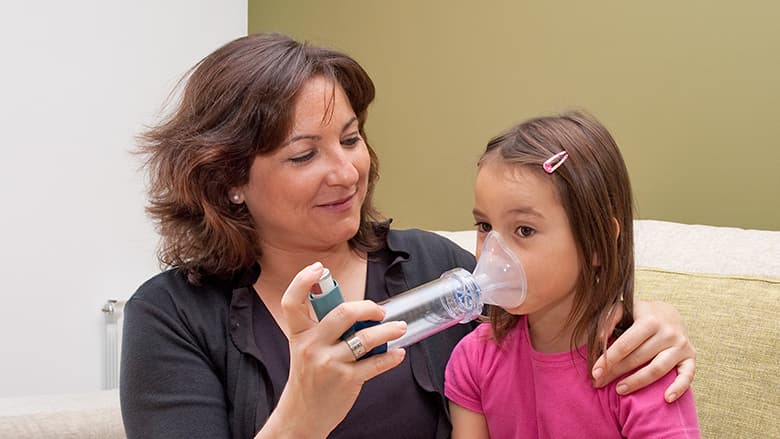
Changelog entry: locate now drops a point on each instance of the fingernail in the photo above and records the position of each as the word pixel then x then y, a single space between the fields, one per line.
pixel 622 389
pixel 401 324
pixel 316 266
pixel 671 397
pixel 597 373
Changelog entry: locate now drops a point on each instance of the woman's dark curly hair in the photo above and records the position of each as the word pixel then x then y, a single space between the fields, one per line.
pixel 237 103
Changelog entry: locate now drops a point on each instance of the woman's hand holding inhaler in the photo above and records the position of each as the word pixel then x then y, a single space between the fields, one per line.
pixel 325 378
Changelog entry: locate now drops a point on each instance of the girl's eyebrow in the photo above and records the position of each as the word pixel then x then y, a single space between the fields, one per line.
pixel 519 210
pixel 527 211
pixel 317 137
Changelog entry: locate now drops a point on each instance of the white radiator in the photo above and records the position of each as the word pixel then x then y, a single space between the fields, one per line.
pixel 112 311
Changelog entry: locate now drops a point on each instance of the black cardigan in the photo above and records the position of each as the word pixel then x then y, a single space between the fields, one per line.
pixel 189 367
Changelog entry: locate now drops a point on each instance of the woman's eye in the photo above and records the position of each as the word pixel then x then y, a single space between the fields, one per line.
pixel 303 157
pixel 483 227
pixel 525 231
pixel 350 141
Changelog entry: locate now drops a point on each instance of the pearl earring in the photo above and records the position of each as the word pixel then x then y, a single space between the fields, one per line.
pixel 236 198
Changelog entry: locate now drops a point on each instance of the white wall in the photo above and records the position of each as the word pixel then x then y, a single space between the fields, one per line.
pixel 78 80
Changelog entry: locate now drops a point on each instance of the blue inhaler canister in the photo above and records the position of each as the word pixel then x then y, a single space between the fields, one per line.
pixel 326 295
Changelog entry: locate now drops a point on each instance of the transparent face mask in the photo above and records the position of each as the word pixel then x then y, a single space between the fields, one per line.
pixel 499 274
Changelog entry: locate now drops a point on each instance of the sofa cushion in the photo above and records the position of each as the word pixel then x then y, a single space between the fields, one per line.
pixel 733 322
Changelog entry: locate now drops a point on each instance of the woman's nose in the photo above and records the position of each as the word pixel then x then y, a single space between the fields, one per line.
pixel 343 171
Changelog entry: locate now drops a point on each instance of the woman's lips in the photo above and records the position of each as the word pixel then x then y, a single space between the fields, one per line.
pixel 339 205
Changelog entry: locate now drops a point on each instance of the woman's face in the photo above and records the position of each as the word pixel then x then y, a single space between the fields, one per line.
pixel 307 194
pixel 525 209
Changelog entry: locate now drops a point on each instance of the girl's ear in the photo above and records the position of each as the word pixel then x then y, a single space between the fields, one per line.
pixel 617 227
pixel 596 262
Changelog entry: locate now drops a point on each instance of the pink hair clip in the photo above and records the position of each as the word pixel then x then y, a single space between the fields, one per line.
pixel 551 164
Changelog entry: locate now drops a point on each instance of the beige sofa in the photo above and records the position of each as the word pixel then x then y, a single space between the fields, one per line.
pixel 725 281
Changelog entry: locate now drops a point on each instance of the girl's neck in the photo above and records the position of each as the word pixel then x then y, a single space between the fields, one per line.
pixel 549 337
pixel 549 331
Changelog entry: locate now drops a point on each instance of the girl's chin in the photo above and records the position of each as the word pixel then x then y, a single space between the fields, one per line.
pixel 518 311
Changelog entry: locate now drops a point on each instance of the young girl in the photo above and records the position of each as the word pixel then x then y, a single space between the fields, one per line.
pixel 557 190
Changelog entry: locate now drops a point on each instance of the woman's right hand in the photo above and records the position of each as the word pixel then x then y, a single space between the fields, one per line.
pixel 325 379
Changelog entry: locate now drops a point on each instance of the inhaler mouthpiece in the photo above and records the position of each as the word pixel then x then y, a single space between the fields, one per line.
pixel 499 274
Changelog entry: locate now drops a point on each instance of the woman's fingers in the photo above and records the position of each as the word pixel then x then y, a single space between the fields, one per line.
pixel 655 370
pixel 607 326
pixel 371 337
pixel 344 316
pixel 685 373
pixel 659 347
pixel 295 301
pixel 651 372
pixel 370 367
pixel 296 307
pixel 624 354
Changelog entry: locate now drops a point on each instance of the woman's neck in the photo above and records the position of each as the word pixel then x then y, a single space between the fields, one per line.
pixel 280 265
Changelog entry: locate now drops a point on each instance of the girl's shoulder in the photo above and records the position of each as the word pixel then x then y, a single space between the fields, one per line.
pixel 481 343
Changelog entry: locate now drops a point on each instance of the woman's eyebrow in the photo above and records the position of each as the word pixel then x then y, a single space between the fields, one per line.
pixel 302 137
pixel 349 123
pixel 316 136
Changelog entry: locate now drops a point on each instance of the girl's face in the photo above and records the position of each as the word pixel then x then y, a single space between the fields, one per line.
pixel 524 207
pixel 308 193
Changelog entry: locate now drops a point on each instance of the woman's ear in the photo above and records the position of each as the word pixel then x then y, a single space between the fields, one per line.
pixel 236 195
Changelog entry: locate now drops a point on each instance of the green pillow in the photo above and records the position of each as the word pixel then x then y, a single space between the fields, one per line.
pixel 733 323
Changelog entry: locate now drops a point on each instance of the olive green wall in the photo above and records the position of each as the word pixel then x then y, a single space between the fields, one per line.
pixel 689 89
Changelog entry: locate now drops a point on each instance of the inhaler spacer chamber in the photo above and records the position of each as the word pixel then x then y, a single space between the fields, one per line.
pixel 459 296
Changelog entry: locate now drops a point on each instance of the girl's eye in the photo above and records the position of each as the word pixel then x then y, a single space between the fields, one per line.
pixel 303 158
pixel 525 231
pixel 483 227
pixel 351 141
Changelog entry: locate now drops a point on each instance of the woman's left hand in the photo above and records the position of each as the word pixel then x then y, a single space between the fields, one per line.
pixel 659 338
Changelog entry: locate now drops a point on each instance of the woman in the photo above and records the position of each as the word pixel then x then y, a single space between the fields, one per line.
pixel 264 169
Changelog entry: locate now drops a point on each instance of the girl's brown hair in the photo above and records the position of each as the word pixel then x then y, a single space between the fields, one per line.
pixel 237 103
pixel 595 192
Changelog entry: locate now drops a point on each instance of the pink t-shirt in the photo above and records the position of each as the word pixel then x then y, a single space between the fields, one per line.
pixel 523 393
